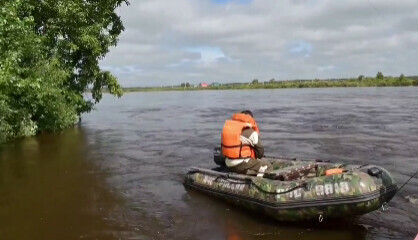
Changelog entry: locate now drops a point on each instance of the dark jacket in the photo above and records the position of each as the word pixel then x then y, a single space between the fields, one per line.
pixel 255 140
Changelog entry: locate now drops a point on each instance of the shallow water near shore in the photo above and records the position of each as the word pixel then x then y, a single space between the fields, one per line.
pixel 118 174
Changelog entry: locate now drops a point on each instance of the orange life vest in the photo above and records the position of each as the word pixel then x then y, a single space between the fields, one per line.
pixel 232 146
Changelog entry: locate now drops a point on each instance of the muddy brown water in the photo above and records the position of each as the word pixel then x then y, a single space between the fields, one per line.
pixel 118 174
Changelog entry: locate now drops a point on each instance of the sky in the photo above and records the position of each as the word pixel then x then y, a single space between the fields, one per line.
pixel 168 42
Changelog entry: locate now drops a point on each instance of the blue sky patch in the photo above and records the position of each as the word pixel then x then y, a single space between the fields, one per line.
pixel 301 48
pixel 231 1
pixel 208 54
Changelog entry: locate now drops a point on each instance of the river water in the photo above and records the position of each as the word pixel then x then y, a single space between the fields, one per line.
pixel 118 174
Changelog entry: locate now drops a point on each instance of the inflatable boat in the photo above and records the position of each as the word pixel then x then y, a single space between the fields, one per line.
pixel 299 189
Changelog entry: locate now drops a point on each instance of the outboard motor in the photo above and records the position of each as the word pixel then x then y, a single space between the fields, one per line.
pixel 218 157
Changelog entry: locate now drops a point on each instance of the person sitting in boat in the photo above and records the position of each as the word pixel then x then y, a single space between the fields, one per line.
pixel 242 147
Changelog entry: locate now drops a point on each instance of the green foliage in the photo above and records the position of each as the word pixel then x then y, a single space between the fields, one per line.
pixel 353 82
pixel 255 81
pixel 184 85
pixel 379 75
pixel 80 33
pixel 49 53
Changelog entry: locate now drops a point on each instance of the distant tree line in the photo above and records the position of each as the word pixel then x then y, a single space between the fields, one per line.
pixel 185 84
pixel 361 81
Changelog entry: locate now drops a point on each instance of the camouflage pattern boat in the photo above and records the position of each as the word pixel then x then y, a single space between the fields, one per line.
pixel 299 190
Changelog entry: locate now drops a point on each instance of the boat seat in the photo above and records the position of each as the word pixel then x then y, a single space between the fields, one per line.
pixel 292 172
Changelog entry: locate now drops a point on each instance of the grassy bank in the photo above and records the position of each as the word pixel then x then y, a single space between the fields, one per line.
pixel 354 82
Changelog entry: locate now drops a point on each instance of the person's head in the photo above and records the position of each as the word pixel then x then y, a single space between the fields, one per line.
pixel 248 112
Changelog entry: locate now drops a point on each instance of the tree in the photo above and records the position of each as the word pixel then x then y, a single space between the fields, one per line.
pixel 379 75
pixel 80 33
pixel 255 81
pixel 402 77
pixel 49 53
pixel 187 84
pixel 361 77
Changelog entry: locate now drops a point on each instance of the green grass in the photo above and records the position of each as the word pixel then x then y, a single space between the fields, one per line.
pixel 354 82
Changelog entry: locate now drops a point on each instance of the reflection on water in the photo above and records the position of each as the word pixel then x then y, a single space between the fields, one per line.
pixel 327 231
pixel 119 174
pixel 48 190
pixel 244 225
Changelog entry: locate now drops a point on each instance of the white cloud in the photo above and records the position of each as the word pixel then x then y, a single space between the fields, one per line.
pixel 168 42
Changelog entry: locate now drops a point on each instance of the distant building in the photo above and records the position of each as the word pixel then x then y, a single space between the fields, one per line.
pixel 203 85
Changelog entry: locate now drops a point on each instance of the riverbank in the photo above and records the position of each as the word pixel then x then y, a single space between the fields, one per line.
pixel 354 82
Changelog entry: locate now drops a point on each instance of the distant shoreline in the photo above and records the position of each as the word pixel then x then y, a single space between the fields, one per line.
pixel 355 82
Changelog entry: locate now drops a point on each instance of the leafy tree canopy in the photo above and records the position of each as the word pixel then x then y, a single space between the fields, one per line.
pixel 49 56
